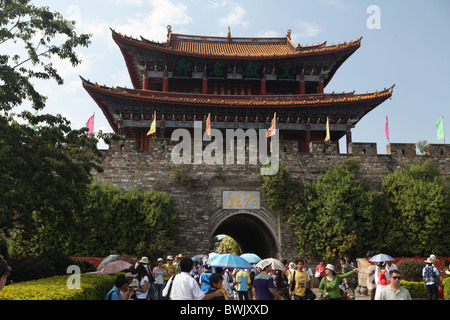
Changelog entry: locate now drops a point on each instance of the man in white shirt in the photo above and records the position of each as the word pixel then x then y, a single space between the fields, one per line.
pixel 394 291
pixel 184 287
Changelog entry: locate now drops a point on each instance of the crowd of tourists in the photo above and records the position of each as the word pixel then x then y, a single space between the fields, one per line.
pixel 185 279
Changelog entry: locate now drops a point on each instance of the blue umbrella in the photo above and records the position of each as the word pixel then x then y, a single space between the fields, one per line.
pixel 229 261
pixel 251 257
pixel 381 257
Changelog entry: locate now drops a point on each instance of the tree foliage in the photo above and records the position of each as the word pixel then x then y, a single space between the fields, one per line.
pixel 334 216
pixel 30 37
pixel 339 214
pixel 44 172
pixel 133 222
pixel 418 202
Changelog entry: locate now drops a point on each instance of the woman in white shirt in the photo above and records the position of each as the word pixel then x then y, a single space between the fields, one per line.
pixel 142 277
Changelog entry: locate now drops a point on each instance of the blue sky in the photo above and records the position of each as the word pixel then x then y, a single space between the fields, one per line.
pixel 411 50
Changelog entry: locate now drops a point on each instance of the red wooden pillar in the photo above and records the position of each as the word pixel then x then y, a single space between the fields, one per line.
pixel 263 85
pixel 145 81
pixel 166 81
pixel 302 85
pixel 320 89
pixel 205 84
pixel 142 138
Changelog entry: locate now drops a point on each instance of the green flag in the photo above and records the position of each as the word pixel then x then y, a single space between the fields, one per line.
pixel 440 128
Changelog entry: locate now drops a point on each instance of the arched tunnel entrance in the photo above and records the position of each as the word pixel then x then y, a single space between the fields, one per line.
pixel 254 231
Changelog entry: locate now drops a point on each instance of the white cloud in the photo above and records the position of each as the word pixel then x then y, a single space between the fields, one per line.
pixel 269 34
pixel 130 2
pixel 305 30
pixel 153 25
pixel 234 18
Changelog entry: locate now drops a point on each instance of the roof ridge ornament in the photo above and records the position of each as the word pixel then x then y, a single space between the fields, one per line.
pixel 169 32
pixel 229 34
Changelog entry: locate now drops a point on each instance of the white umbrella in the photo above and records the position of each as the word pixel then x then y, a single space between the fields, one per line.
pixel 381 257
pixel 276 264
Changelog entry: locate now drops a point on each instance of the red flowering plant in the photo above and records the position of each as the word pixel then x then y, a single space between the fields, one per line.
pixel 92 261
pixel 411 268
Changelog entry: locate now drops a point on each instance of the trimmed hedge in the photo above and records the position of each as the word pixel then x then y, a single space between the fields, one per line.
pixel 416 289
pixel 446 288
pixel 93 287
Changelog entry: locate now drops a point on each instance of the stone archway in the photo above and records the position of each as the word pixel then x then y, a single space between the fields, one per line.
pixel 255 231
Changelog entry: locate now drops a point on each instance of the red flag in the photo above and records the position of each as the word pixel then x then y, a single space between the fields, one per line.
pixel 208 124
pixel 386 129
pixel 271 130
pixel 90 124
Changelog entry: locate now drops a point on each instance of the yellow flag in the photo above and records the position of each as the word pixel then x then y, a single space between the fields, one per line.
pixel 153 126
pixel 327 137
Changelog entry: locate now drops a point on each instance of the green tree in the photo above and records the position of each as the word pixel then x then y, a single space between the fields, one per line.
pixel 336 214
pixel 229 245
pixel 45 165
pixel 35 35
pixel 44 172
pixel 418 202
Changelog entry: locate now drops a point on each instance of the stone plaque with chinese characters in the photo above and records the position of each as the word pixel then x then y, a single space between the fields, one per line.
pixel 241 200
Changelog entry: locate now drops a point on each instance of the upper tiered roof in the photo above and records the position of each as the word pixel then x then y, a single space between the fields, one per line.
pixel 231 48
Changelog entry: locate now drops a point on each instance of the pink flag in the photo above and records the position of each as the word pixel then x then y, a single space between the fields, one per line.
pixel 90 124
pixel 386 129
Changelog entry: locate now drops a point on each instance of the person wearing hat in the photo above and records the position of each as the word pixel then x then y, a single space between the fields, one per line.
pixel 431 277
pixel 171 269
pixel 329 286
pixel 263 286
pixel 178 259
pixel 159 272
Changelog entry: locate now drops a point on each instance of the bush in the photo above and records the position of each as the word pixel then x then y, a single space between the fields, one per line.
pixel 411 269
pixel 446 288
pixel 93 287
pixel 416 289
pixel 44 266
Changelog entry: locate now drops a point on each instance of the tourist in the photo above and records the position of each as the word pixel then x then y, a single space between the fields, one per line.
pixel 282 284
pixel 216 285
pixel 5 271
pixel 194 273
pixel 329 286
pixel 184 287
pixel 299 282
pixel 394 291
pixel 205 283
pixel 225 284
pixel 349 282
pixel 381 279
pixel 389 267
pixel 172 269
pixel 431 277
pixel 320 271
pixel 142 277
pixel 159 273
pixel 120 291
pixel 370 283
pixel 243 278
pixel 263 286
pixel 309 271
pixel 178 259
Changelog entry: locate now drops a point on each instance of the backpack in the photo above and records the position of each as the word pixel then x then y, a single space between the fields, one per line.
pixel 429 274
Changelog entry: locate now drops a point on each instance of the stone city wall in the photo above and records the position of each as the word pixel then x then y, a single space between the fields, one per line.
pixel 197 189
